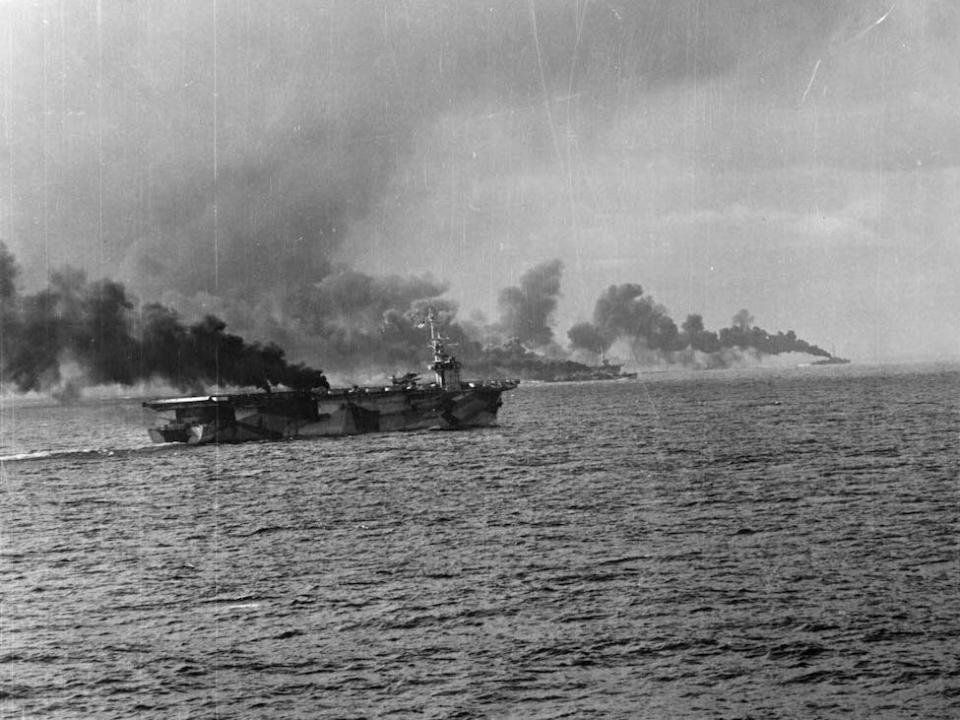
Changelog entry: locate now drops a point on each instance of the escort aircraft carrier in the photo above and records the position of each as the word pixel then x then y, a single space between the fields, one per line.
pixel 447 403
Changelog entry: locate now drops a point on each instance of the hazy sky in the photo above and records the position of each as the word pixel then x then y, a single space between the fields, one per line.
pixel 796 157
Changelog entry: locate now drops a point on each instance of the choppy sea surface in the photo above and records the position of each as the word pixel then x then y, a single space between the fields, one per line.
pixel 753 544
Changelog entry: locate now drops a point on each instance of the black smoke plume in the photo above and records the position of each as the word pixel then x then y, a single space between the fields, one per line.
pixel 352 320
pixel 623 312
pixel 231 150
pixel 743 334
pixel 95 325
pixel 587 336
pixel 356 322
pixel 359 322
pixel 526 311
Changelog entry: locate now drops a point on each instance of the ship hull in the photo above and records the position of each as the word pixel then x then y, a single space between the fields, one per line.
pixel 282 415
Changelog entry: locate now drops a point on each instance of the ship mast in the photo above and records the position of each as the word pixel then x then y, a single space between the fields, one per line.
pixel 445 366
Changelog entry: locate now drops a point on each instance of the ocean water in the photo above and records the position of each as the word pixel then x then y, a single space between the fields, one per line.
pixel 753 544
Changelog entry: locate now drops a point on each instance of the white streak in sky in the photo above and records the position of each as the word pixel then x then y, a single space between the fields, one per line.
pixel 813 76
pixel 874 24
pixel 858 36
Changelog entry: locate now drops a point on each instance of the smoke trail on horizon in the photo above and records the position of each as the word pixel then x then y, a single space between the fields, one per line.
pixel 354 322
pixel 623 312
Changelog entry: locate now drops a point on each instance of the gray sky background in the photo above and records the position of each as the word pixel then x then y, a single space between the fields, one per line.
pixel 797 157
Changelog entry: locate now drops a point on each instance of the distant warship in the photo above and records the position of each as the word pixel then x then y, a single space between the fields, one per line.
pixel 605 371
pixel 831 361
pixel 405 404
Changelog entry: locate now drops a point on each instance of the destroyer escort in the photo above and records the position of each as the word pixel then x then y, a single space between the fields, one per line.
pixel 405 404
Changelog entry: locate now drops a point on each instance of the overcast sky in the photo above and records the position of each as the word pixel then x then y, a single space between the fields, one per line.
pixel 795 157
